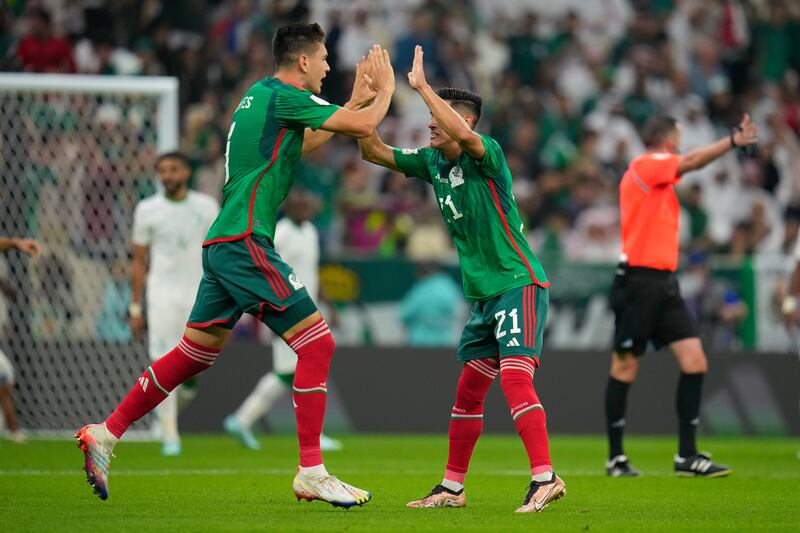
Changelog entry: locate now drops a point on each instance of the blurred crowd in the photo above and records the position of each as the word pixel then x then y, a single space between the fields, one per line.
pixel 566 88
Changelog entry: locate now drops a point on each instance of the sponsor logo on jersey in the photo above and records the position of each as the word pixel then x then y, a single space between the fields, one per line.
pixel 438 177
pixel 627 343
pixel 296 283
pixel 456 176
pixel 410 151
pixel 319 100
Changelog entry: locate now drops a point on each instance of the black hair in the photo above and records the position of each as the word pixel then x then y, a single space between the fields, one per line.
pixel 657 128
pixel 294 39
pixel 40 13
pixel 177 156
pixel 464 98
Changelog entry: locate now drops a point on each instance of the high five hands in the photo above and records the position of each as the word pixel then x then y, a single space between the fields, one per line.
pixel 416 78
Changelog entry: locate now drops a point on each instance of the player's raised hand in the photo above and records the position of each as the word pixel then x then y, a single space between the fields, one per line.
pixel 416 78
pixel 29 247
pixel 380 66
pixel 363 93
pixel 747 132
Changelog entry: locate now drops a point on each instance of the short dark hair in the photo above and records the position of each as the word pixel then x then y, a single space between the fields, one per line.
pixel 465 98
pixel 294 39
pixel 177 156
pixel 657 128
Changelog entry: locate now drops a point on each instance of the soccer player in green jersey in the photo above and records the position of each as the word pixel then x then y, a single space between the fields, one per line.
pixel 472 183
pixel 277 120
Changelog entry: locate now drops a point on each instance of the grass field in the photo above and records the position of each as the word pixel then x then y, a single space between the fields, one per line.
pixel 216 485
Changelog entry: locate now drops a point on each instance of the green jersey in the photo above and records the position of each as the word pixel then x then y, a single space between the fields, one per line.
pixel 481 213
pixel 261 155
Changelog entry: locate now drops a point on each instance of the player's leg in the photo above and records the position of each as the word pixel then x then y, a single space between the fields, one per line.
pixel 283 304
pixel 165 328
pixel 478 349
pixel 520 316
pixel 7 399
pixel 214 313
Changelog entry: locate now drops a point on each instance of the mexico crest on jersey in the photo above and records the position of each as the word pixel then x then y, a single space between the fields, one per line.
pixel 456 176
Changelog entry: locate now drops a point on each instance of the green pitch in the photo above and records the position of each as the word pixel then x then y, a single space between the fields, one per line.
pixel 217 485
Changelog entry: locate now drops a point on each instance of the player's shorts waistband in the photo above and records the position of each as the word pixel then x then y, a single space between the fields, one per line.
pixel 647 272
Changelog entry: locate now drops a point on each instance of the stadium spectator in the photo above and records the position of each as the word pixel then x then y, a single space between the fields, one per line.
pixel 40 50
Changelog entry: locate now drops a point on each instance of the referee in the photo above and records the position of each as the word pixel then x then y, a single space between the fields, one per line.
pixel 645 298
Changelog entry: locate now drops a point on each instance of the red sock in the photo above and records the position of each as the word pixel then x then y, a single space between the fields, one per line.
pixel 466 419
pixel 516 378
pixel 184 361
pixel 314 347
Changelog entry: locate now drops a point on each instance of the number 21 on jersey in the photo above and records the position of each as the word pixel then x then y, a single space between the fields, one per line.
pixel 448 201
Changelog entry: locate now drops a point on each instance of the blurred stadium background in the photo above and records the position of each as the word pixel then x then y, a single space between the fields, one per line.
pixel 566 85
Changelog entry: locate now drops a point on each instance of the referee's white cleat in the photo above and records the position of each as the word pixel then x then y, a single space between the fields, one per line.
pixel 329 489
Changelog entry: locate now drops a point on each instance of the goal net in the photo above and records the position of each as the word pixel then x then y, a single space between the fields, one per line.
pixel 77 154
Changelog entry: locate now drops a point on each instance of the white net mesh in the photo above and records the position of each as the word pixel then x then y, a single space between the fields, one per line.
pixel 74 164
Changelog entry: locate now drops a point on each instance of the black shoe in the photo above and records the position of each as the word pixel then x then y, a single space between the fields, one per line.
pixel 700 465
pixel 620 467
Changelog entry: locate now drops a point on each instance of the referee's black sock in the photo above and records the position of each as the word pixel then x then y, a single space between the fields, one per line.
pixel 616 401
pixel 687 401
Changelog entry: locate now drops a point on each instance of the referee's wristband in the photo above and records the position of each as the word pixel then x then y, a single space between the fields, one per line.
pixel 135 310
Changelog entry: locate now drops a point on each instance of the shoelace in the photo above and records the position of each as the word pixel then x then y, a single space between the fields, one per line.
pixel 438 489
pixel 533 487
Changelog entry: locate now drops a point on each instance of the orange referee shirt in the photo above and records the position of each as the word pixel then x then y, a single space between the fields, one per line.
pixel 650 210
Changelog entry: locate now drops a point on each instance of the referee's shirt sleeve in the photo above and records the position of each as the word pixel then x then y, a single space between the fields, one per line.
pixel 662 170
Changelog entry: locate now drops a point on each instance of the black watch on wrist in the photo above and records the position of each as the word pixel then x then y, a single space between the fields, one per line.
pixel 734 130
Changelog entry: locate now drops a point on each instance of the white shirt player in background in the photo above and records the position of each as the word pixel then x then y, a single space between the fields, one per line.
pixel 297 242
pixel 31 248
pixel 168 233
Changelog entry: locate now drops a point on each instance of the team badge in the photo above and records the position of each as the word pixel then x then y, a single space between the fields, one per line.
pixel 456 176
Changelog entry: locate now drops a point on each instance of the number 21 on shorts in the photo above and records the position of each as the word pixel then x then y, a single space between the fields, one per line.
pixel 500 316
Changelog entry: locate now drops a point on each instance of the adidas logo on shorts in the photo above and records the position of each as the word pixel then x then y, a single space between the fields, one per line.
pixel 513 342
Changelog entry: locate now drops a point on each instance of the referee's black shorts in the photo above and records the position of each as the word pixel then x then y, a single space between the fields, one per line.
pixel 648 306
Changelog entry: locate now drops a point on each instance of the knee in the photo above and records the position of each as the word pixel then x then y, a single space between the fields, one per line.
pixel 624 368
pixel 696 364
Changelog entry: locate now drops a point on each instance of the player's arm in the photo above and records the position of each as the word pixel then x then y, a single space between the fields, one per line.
pixel 361 96
pixel 744 135
pixel 446 117
pixel 361 123
pixel 29 247
pixel 141 255
pixel 375 151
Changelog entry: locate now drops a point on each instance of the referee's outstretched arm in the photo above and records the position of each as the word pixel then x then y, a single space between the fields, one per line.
pixel 745 134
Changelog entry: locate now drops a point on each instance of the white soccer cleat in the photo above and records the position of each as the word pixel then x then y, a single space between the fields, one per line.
pixel 329 489
pixel 540 495
pixel 96 445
